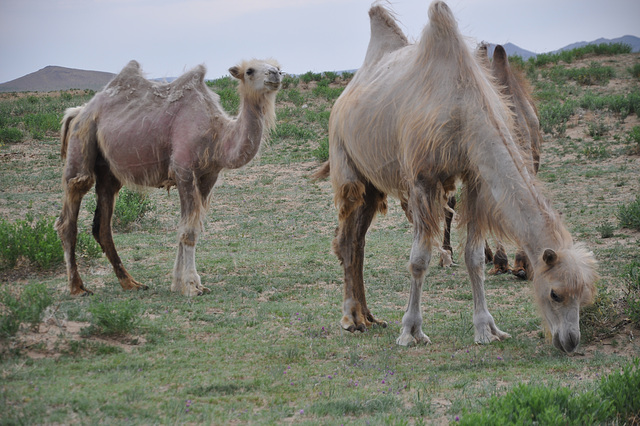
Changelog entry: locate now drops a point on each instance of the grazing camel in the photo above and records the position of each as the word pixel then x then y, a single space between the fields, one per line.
pixel 143 133
pixel 514 86
pixel 414 120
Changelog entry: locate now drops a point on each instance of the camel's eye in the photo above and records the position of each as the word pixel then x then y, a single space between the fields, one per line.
pixel 250 71
pixel 555 297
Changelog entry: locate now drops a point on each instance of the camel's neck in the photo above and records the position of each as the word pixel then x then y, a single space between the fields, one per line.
pixel 243 137
pixel 519 209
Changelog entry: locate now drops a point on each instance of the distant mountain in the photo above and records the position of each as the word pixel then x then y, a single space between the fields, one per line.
pixel 632 41
pixel 512 49
pixel 58 78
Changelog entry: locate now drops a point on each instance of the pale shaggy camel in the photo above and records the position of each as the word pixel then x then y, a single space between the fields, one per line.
pixel 415 119
pixel 143 133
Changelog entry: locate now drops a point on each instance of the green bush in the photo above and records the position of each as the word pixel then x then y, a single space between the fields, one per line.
pixel 620 389
pixel 114 318
pixel 633 139
pixel 226 88
pixel 10 135
pixel 309 76
pixel 322 151
pixel 629 215
pixel 35 240
pixel 615 400
pixel 28 307
pixel 555 115
pixel 130 207
pixel 634 71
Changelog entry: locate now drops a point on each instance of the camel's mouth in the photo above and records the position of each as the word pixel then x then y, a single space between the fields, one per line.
pixel 273 85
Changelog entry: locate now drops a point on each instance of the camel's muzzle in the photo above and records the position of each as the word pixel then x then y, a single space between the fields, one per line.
pixel 566 342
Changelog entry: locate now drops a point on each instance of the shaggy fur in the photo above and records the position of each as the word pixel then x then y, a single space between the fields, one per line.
pixel 415 120
pixel 147 134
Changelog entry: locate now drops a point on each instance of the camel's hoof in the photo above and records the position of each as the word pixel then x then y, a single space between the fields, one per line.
pixel 522 274
pixel 407 340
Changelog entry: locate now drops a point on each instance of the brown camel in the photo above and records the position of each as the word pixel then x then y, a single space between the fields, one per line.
pixel 414 120
pixel 515 87
pixel 142 133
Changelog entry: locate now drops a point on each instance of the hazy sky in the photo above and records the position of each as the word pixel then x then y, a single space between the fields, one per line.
pixel 169 36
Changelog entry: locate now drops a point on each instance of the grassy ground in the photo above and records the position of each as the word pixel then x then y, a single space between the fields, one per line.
pixel 265 345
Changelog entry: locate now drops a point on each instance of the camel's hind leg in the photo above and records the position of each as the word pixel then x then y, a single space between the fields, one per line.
pixel 67 227
pixel 107 186
pixel 358 206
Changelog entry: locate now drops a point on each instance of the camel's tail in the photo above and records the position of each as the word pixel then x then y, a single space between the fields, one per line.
pixel 69 115
pixel 322 173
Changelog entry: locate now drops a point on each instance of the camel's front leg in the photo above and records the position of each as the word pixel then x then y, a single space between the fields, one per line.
pixel 412 320
pixel 193 195
pixel 486 330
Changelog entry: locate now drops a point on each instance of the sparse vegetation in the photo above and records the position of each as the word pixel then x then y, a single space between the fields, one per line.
pixel 629 215
pixel 28 307
pixel 114 318
pixel 35 240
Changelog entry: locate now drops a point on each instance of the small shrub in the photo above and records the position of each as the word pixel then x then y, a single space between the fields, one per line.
pixel 322 151
pixel 605 229
pixel 620 389
pixel 309 76
pixel 29 307
pixel 114 318
pixel 289 82
pixel 34 240
pixel 633 139
pixel 554 116
pixel 634 71
pixel 629 215
pixel 87 246
pixel 599 320
pixel 10 135
pixel 597 130
pixel 130 207
pixel 535 404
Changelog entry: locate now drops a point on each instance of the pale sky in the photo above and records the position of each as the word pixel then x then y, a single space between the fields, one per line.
pixel 170 36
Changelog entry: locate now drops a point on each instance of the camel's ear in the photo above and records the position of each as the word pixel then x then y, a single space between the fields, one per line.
pixel 235 72
pixel 550 257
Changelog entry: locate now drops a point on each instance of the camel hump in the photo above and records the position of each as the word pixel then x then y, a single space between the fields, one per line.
pixel 192 77
pixel 130 76
pixel 441 18
pixel 386 35
pixel 500 55
pixel 500 65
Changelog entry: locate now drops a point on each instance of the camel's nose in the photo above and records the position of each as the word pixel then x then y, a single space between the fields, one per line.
pixel 567 342
pixel 275 74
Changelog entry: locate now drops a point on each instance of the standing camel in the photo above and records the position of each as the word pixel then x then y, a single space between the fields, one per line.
pixel 514 86
pixel 143 133
pixel 414 120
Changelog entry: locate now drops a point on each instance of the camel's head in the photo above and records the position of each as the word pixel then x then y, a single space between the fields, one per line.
pixel 258 77
pixel 563 282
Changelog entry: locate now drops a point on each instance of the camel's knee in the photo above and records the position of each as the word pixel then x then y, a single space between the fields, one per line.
pixel 348 198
